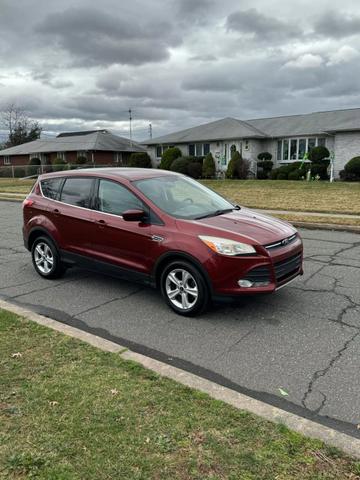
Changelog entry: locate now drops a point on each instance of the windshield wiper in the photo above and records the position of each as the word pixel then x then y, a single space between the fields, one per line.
pixel 216 213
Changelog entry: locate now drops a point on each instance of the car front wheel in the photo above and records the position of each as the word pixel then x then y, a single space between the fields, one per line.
pixel 184 288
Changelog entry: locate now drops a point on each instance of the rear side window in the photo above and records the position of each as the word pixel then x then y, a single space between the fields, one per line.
pixel 76 191
pixel 116 199
pixel 50 187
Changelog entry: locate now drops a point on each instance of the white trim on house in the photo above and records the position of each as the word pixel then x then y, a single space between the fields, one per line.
pixel 7 160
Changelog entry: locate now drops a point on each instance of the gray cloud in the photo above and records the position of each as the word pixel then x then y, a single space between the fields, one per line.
pixel 261 26
pixel 94 37
pixel 338 25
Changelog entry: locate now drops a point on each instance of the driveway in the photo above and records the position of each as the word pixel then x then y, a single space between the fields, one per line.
pixel 297 349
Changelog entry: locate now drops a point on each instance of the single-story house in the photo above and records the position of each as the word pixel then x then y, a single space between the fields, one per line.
pixel 98 146
pixel 287 138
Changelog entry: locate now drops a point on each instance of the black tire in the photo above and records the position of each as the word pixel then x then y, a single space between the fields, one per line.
pixel 197 305
pixel 45 244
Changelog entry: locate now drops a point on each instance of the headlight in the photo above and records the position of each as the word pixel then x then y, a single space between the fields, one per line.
pixel 225 246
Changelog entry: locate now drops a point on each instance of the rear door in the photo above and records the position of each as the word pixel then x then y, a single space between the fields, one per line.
pixel 122 243
pixel 72 215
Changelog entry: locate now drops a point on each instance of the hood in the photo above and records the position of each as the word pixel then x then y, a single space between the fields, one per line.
pixel 261 228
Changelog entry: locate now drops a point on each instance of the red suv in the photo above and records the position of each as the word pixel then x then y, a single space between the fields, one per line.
pixel 161 228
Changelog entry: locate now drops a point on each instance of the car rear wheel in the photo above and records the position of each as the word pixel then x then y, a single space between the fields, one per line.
pixel 46 258
pixel 184 288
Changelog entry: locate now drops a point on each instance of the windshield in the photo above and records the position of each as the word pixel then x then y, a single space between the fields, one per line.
pixel 183 197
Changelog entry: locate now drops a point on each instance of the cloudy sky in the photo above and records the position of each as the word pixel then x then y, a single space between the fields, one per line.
pixel 80 64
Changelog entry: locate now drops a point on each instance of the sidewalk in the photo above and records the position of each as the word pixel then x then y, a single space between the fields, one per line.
pixel 309 214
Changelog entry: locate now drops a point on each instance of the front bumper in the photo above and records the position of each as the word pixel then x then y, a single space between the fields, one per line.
pixel 266 273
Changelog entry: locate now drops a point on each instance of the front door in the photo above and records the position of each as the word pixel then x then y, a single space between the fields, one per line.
pixel 122 243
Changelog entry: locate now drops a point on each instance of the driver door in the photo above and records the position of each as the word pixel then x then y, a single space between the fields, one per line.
pixel 122 243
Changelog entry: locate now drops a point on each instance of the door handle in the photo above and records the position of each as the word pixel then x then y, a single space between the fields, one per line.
pixel 101 222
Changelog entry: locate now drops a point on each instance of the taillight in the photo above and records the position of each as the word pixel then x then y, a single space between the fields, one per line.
pixel 27 202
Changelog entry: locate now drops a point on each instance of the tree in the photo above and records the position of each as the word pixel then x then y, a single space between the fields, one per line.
pixel 169 156
pixel 208 168
pixel 20 127
pixel 238 167
pixel 318 154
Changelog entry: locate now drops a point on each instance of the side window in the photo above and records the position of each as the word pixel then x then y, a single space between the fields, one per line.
pixel 76 191
pixel 116 199
pixel 50 187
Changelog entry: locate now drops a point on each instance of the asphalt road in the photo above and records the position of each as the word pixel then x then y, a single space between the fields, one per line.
pixel 305 339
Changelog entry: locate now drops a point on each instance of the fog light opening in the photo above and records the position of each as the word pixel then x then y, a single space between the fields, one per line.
pixel 245 283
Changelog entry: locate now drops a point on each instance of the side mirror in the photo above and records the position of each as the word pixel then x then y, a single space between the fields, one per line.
pixel 133 215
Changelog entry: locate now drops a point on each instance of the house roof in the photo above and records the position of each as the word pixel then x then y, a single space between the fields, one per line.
pixel 218 130
pixel 96 140
pixel 230 128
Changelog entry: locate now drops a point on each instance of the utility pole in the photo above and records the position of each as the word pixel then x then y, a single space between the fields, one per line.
pixel 130 118
pixel 150 130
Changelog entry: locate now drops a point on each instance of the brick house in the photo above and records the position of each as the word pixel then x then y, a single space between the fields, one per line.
pixel 287 138
pixel 98 146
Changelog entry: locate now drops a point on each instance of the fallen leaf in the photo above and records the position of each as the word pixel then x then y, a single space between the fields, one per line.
pixel 16 355
pixel 53 403
pixel 283 392
pixel 147 440
pixel 114 391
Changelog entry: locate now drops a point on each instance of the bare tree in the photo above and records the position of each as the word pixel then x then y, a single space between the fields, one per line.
pixel 20 127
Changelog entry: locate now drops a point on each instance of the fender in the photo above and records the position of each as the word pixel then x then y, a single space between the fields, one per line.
pixel 174 255
pixel 34 232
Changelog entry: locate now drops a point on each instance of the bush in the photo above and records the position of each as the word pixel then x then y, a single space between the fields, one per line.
pixel 168 157
pixel 140 160
pixel 5 172
pixel 59 164
pixel 282 176
pixel 81 160
pixel 19 172
pixel 264 156
pixel 208 167
pixel 266 166
pixel 318 154
pixel 238 167
pixel 295 175
pixel 319 169
pixel 194 170
pixel 181 164
pixel 33 168
pixel 352 169
pixel 261 175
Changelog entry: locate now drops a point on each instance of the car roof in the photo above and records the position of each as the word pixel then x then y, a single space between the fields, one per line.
pixel 114 173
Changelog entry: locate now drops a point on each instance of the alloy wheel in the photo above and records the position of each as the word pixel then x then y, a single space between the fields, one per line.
pixel 181 289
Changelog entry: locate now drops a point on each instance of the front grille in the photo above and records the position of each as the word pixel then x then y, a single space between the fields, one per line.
pixel 286 268
pixel 281 243
pixel 258 274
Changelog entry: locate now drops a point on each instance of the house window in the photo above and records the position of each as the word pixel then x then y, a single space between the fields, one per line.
pixel 302 148
pixel 7 160
pixel 311 143
pixel 198 149
pixel 62 155
pixel 247 146
pixel 117 157
pixel 206 148
pixel 286 150
pixel 293 149
pixel 279 150
pixel 321 142
pixel 158 151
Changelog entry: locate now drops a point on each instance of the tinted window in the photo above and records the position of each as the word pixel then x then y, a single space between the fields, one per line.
pixel 76 191
pixel 116 199
pixel 50 187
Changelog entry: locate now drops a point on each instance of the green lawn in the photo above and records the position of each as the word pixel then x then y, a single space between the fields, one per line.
pixel 70 411
pixel 337 197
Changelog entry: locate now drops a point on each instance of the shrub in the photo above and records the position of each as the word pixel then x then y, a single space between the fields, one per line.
pixel 140 160
pixel 19 172
pixel 169 156
pixel 81 160
pixel 282 176
pixel 194 169
pixel 266 166
pixel 33 168
pixel 59 164
pixel 274 173
pixel 319 169
pixel 238 167
pixel 352 169
pixel 261 175
pixel 295 175
pixel 318 154
pixel 264 156
pixel 208 167
pixel 5 172
pixel 181 164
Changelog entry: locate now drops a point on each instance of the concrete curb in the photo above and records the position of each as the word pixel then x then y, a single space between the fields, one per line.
pixel 346 443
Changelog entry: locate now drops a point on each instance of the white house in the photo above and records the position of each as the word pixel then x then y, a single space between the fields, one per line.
pixel 287 138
